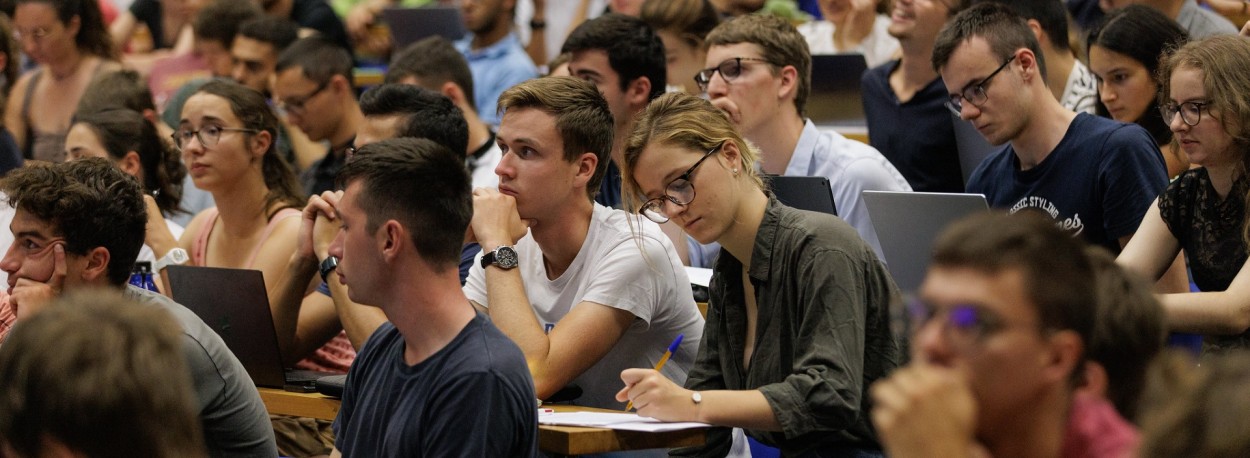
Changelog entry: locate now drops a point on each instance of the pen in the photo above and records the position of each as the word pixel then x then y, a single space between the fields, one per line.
pixel 663 359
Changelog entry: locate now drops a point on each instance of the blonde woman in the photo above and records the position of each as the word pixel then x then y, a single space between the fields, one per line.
pixel 797 324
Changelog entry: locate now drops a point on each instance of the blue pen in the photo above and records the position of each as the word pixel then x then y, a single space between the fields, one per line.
pixel 664 359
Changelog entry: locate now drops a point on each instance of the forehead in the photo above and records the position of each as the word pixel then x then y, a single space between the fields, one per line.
pixel 530 124
pixel 1186 84
pixel 25 222
pixel 591 61
pixel 377 128
pixel 81 134
pixel 971 61
pixel 720 53
pixel 1004 293
pixel 247 48
pixel 659 162
pixel 202 106
pixel 35 13
pixel 1105 59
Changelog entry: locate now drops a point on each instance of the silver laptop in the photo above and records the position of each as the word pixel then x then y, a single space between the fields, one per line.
pixel 907 223
pixel 835 99
pixel 235 304
pixel 410 25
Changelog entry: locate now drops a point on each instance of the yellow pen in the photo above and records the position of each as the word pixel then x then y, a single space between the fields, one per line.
pixel 663 359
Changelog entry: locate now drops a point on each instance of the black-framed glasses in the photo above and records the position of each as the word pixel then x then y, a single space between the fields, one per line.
pixel 963 326
pixel 729 70
pixel 975 94
pixel 1191 112
pixel 208 135
pixel 679 191
pixel 296 104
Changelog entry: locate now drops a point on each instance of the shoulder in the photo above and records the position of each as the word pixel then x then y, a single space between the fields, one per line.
pixel 815 230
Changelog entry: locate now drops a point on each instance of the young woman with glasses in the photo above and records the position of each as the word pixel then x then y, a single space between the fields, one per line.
pixel 797 324
pixel 1203 91
pixel 1124 52
pixel 226 135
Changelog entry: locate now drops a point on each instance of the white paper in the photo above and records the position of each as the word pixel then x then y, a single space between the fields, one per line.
pixel 699 276
pixel 623 421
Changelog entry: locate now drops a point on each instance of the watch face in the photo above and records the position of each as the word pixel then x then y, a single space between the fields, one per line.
pixel 179 256
pixel 505 257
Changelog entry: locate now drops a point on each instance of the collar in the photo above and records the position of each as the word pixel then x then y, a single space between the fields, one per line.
pixel 493 51
pixel 481 150
pixel 765 238
pixel 801 160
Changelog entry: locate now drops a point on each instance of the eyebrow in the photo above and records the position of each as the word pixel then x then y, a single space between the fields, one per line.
pixel 202 120
pixel 30 234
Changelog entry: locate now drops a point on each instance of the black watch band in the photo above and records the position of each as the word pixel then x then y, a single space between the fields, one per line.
pixel 537 24
pixel 328 265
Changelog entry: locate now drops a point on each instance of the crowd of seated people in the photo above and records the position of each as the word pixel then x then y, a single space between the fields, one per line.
pixel 471 236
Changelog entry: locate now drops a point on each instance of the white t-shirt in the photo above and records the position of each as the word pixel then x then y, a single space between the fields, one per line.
pixel 483 175
pixel 878 47
pixel 611 270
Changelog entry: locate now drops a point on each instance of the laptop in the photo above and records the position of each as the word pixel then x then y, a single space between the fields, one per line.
pixel 907 223
pixel 835 99
pixel 235 304
pixel 410 25
pixel 803 193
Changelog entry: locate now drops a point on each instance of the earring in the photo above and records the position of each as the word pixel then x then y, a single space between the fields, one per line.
pixel 735 171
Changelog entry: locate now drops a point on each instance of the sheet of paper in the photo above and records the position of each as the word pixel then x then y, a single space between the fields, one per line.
pixel 699 276
pixel 624 421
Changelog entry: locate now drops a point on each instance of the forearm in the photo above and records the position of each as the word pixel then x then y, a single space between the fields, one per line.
pixel 509 308
pixel 286 299
pixel 740 409
pixel 360 321
pixel 1217 313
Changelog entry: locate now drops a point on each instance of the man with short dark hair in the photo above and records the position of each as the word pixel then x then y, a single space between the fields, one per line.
pixel 314 86
pixel 215 27
pixel 1003 319
pixel 439 379
pixel 1094 176
pixel 80 224
pixel 256 48
pixel 760 73
pixel 495 55
pixel 434 63
pixel 624 58
pixel 1067 78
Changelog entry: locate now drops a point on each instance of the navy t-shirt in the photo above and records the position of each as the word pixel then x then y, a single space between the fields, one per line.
pixel 917 136
pixel 473 398
pixel 1098 182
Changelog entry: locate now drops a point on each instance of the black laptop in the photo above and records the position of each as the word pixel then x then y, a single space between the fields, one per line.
pixel 410 25
pixel 803 193
pixel 235 304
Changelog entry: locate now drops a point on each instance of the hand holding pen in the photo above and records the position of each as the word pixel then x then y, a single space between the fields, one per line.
pixel 654 394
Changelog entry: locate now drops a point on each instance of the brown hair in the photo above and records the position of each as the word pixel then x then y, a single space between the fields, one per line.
pixel 103 376
pixel 782 44
pixel 582 117
pixel 1002 29
pixel 692 19
pixel 1192 410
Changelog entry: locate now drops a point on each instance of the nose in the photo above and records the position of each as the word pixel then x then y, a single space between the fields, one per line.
pixel 237 72
pixel 11 261
pixel 968 111
pixel 929 342
pixel 1106 93
pixel 717 86
pixel 336 245
pixel 1175 123
pixel 28 44
pixel 505 167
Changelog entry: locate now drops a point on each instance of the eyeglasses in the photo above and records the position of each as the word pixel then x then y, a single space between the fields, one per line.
pixel 1191 112
pixel 964 326
pixel 296 104
pixel 679 191
pixel 208 135
pixel 976 93
pixel 729 70
pixel 37 34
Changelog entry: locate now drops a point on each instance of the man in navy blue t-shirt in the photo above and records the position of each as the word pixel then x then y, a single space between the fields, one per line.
pixel 1095 177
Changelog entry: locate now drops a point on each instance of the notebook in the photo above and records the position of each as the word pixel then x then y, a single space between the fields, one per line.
pixel 907 223
pixel 410 25
pixel 804 193
pixel 835 99
pixel 235 304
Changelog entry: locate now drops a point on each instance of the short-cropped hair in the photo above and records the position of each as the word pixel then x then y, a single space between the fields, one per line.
pixel 582 117
pixel 427 114
pixel 633 49
pixel 781 43
pixel 422 185
pixel 318 57
pixel 219 21
pixel 433 61
pixel 1004 30
pixel 90 202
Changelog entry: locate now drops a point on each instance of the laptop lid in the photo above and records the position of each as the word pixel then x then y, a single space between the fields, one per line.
pixel 907 223
pixel 835 99
pixel 410 25
pixel 235 304
pixel 803 193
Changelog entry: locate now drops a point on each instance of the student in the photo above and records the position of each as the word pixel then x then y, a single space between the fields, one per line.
pixel 1203 211
pixel 682 26
pixel 789 354
pixel 1124 52
pixel 495 55
pixel 256 48
pixel 851 27
pixel 313 84
pixel 130 363
pixel 440 379
pixel 572 290
pixel 998 348
pixel 1069 80
pixel 79 225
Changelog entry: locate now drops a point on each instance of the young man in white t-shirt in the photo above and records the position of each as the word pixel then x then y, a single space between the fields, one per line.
pixel 585 292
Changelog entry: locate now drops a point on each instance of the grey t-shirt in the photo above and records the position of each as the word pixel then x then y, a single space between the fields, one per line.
pixel 1201 22
pixel 234 419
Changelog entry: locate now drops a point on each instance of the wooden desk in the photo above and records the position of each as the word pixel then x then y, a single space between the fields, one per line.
pixel 556 440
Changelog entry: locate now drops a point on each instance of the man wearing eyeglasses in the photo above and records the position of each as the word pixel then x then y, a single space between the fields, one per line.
pixel 759 72
pixel 314 87
pixel 1001 327
pixel 1093 176
pixel 585 290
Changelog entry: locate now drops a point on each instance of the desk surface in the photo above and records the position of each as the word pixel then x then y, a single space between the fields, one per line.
pixel 560 440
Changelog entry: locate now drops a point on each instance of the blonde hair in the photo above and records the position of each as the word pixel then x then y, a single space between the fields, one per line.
pixel 685 121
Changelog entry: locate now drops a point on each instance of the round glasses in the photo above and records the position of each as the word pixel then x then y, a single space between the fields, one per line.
pixel 963 326
pixel 208 135
pixel 1191 112
pixel 679 191
pixel 729 70
pixel 974 94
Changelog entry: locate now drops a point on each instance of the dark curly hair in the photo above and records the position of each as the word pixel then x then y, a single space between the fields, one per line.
pixel 90 202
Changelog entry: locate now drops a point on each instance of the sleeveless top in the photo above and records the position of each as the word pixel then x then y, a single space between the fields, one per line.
pixel 43 145
pixel 337 354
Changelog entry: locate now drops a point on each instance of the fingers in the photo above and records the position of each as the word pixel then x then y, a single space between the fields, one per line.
pixel 58 267
pixel 729 108
pixel 325 204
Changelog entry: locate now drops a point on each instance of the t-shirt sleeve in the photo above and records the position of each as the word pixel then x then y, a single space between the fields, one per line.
pixel 637 283
pixel 475 284
pixel 453 433
pixel 1133 175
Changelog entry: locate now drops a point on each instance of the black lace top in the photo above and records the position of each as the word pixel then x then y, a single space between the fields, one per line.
pixel 1210 231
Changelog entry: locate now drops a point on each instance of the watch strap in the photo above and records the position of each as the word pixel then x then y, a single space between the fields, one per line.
pixel 329 264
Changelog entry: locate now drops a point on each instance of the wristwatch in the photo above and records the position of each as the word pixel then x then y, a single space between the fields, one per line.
pixel 176 256
pixel 537 24
pixel 328 265
pixel 696 397
pixel 503 257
